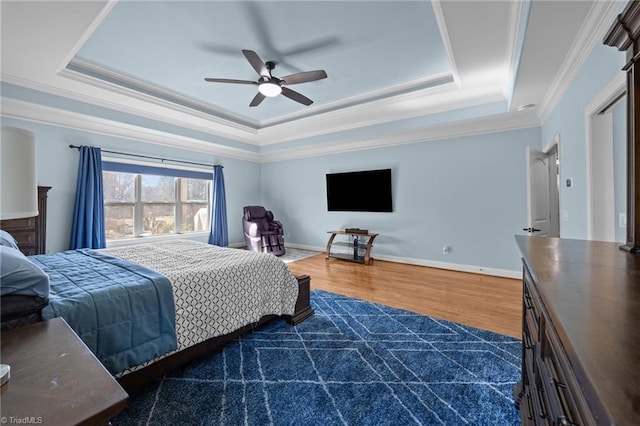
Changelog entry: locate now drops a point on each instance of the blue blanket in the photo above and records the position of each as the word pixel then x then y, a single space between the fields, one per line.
pixel 123 312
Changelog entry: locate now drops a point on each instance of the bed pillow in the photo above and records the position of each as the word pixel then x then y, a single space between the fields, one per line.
pixel 7 240
pixel 18 275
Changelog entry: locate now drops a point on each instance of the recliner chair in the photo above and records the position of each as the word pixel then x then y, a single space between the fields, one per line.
pixel 261 232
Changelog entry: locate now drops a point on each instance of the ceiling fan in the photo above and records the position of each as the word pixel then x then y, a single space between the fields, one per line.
pixel 270 86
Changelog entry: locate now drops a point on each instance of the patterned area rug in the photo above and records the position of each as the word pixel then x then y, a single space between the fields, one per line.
pixel 352 363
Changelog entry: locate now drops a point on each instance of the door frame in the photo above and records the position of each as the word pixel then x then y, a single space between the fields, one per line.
pixel 551 154
pixel 597 211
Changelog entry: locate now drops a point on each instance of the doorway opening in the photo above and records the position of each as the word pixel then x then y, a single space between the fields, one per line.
pixel 604 164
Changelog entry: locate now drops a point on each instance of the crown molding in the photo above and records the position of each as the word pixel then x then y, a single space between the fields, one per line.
pixel 403 107
pixel 598 20
pixel 515 48
pixel 386 95
pixel 442 27
pixel 96 75
pixel 492 124
pixel 53 116
pixel 178 116
pixel 87 33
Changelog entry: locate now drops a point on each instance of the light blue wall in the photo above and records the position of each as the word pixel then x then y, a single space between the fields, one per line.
pixel 467 193
pixel 620 165
pixel 568 120
pixel 57 167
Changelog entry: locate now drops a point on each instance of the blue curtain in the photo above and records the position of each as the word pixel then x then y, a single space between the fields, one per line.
pixel 87 229
pixel 219 235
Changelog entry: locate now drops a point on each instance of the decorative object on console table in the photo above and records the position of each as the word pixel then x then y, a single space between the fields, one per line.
pixel 55 379
pixel 358 244
pixel 31 232
pixel 581 333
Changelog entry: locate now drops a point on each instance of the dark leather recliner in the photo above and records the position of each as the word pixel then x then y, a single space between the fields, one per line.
pixel 261 232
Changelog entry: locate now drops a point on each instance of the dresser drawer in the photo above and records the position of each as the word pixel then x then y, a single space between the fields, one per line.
pixel 14 225
pixel 532 302
pixel 573 405
pixel 24 238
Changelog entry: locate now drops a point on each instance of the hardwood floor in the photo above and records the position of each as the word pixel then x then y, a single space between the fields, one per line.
pixel 482 301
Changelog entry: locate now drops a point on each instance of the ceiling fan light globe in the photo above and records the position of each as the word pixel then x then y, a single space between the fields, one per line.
pixel 269 89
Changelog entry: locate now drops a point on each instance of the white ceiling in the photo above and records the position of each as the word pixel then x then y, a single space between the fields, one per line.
pixel 386 61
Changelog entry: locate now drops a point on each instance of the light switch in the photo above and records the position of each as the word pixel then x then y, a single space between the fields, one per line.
pixel 569 182
pixel 622 220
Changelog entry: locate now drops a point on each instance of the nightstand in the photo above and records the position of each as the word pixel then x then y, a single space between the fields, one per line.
pixel 55 379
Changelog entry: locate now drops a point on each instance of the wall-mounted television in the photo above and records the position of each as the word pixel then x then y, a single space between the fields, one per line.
pixel 361 191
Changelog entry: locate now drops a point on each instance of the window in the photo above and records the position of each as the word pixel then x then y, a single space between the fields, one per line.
pixel 142 201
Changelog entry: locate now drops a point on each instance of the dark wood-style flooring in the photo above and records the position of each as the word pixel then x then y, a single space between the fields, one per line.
pixel 482 301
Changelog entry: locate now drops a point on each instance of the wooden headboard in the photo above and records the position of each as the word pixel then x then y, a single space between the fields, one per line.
pixel 31 232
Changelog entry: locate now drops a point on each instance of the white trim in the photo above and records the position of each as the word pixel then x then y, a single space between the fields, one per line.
pixel 400 107
pixel 598 20
pixel 474 269
pixel 385 96
pixel 202 236
pixel 85 36
pixel 512 38
pixel 115 158
pixel 180 116
pixel 492 124
pixel 86 72
pixel 446 42
pixel 42 114
pixel 608 94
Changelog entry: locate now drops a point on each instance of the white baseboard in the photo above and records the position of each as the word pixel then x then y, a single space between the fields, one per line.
pixel 505 273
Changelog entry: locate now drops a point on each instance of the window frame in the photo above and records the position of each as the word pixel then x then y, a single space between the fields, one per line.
pixel 138 170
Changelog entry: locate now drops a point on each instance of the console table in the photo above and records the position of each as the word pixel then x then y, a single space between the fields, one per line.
pixel 581 333
pixel 358 246
pixel 55 379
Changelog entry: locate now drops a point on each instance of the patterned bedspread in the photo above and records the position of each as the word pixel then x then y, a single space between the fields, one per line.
pixel 216 290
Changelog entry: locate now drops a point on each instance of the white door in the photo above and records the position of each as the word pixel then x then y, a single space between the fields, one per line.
pixel 537 193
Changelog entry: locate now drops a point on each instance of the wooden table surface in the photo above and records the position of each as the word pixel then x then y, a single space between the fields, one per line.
pixel 55 379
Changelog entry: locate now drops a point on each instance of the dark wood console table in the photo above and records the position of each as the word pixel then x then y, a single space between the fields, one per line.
pixel 581 333
pixel 357 250
pixel 55 379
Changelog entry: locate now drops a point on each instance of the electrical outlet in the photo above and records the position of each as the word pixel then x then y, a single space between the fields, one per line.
pixel 446 249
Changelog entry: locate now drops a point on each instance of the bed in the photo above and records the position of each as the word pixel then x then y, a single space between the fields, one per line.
pixel 183 298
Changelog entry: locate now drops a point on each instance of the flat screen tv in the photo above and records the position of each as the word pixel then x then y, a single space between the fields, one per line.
pixel 362 191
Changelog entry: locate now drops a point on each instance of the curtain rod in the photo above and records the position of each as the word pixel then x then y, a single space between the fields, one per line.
pixel 148 156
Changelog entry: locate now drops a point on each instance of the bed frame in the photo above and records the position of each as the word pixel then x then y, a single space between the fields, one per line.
pixel 135 380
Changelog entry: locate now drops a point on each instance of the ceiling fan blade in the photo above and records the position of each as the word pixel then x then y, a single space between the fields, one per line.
pixel 303 77
pixel 257 99
pixel 321 43
pixel 229 80
pixel 291 94
pixel 256 62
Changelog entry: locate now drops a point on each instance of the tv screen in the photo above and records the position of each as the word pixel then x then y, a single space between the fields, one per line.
pixel 363 191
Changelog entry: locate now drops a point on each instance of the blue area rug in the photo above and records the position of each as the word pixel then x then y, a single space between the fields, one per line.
pixel 352 363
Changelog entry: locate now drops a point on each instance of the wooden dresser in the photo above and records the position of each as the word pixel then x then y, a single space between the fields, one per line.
pixel 581 333
pixel 31 232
